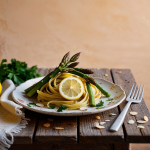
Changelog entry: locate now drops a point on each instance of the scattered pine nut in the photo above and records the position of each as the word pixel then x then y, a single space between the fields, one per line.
pixel 119 72
pixel 83 108
pixel 141 127
pixel 100 127
pixel 145 118
pixel 112 114
pixel 101 123
pixel 106 75
pixel 133 113
pixel 46 125
pixel 107 120
pixel 131 121
pixel 97 117
pixel 59 128
pixel 39 105
pixel 96 124
pixel 141 121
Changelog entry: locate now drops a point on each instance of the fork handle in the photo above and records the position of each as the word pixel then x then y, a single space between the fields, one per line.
pixel 119 121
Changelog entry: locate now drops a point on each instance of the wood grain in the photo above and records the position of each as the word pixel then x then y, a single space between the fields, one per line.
pixel 46 135
pixel 88 133
pixel 122 146
pixel 25 136
pixel 133 134
pixel 50 146
pixel 50 134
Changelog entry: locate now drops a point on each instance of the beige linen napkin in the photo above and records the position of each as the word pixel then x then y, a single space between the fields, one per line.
pixel 12 119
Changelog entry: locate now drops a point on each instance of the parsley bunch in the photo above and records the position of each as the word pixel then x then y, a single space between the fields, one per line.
pixel 17 71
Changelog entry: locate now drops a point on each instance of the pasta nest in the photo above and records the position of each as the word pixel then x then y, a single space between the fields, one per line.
pixel 49 93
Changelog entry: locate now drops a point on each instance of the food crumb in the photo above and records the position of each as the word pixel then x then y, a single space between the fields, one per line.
pixel 59 128
pixel 119 72
pixel 46 125
pixel 112 87
pixel 131 122
pixel 97 117
pixel 106 75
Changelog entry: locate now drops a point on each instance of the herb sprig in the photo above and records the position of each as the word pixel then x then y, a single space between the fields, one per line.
pixel 110 99
pixel 29 105
pixel 51 107
pixel 100 104
pixel 17 71
pixel 61 108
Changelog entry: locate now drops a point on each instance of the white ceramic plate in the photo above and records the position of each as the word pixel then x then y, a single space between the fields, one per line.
pixel 117 93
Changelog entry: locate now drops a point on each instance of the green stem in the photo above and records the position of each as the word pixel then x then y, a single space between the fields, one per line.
pixel 91 96
pixel 80 74
pixel 102 90
pixel 30 88
pixel 91 80
pixel 33 91
pixel 85 71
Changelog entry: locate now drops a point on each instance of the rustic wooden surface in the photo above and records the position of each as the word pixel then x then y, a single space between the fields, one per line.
pixel 121 146
pixel 46 135
pixel 26 135
pixel 50 135
pixel 132 133
pixel 49 146
pixel 89 134
pixel 79 132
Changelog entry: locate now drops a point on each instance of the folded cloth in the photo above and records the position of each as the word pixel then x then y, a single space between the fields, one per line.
pixel 12 119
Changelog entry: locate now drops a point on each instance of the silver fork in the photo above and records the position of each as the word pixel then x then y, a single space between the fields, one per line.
pixel 131 98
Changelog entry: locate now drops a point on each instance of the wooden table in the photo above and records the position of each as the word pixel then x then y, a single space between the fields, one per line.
pixel 79 132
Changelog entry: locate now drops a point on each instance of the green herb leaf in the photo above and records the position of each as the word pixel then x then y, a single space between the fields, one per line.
pixel 61 108
pixel 101 103
pixel 110 99
pixel 32 104
pixel 17 80
pixel 51 107
pixel 28 105
pixel 10 75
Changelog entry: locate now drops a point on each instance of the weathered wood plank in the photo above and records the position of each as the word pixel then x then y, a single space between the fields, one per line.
pixel 51 135
pixel 122 146
pixel 26 135
pixel 46 135
pixel 50 146
pixel 89 134
pixel 133 134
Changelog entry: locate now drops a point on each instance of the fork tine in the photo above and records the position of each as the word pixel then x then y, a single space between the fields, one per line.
pixel 139 92
pixel 130 91
pixel 142 93
pixel 134 91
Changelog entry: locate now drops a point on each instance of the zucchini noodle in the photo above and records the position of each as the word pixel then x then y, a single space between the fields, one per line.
pixel 49 93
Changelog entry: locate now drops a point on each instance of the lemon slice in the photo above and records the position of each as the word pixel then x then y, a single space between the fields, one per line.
pixel 0 88
pixel 71 88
